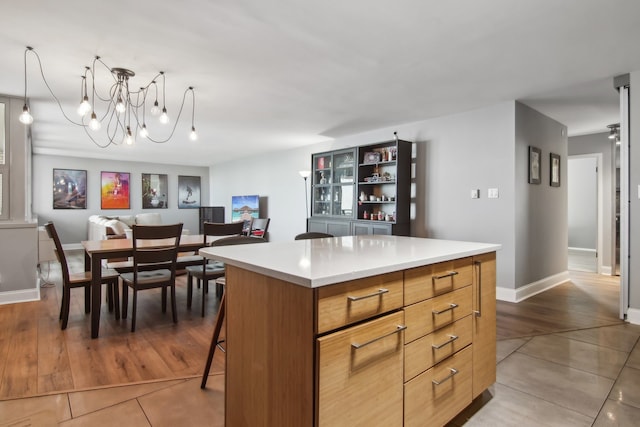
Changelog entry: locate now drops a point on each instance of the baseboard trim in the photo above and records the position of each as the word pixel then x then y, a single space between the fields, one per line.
pixel 607 270
pixel 527 291
pixel 587 250
pixel 24 295
pixel 633 316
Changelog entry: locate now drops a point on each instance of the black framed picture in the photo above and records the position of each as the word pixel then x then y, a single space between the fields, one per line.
pixel 534 165
pixel 188 192
pixel 554 175
pixel 69 189
pixel 154 191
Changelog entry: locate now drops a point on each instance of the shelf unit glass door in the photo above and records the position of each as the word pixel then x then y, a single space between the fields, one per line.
pixel 333 184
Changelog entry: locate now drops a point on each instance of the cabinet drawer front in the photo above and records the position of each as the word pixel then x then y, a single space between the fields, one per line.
pixel 349 302
pixel 427 316
pixel 429 404
pixel 425 352
pixel 360 374
pixel 426 282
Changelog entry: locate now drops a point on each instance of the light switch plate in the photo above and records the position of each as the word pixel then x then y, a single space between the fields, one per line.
pixel 492 193
pixel 475 194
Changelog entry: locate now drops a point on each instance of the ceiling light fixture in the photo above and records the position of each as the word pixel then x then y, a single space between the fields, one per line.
pixel 121 110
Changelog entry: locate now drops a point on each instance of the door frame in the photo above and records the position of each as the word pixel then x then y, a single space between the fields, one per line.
pixel 600 205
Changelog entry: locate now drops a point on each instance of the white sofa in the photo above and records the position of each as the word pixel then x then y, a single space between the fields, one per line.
pixel 101 226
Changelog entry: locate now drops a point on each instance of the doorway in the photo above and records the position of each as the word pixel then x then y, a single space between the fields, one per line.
pixel 584 216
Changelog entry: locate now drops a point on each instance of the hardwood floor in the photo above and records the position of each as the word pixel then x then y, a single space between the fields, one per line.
pixel 37 358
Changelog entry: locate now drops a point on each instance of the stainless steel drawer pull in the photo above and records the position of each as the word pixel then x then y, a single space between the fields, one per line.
pixel 453 372
pixel 375 294
pixel 364 344
pixel 448 274
pixel 451 339
pixel 451 307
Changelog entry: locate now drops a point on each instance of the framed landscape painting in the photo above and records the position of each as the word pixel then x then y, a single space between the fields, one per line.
pixel 69 189
pixel 154 191
pixel 188 192
pixel 114 190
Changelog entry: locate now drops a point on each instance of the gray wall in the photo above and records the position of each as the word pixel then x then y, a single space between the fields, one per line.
pixel 453 154
pixel 72 224
pixel 583 203
pixel 599 143
pixel 541 210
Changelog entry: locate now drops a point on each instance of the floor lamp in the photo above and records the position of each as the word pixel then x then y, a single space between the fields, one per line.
pixel 305 175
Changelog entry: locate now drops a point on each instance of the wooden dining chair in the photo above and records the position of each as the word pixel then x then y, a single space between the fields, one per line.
pixel 80 280
pixel 155 250
pixel 209 270
pixel 220 316
pixel 312 235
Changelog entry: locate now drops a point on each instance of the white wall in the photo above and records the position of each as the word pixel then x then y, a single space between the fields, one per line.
pixel 71 224
pixel 453 155
pixel 583 203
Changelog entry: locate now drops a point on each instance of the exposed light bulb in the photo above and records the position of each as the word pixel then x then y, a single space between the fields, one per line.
pixel 120 107
pixel 155 110
pixel 164 118
pixel 193 135
pixel 26 117
pixel 84 106
pixel 94 123
pixel 143 131
pixel 129 138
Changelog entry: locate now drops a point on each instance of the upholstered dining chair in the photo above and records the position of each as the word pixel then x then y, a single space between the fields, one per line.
pixel 80 280
pixel 312 235
pixel 206 270
pixel 220 316
pixel 155 250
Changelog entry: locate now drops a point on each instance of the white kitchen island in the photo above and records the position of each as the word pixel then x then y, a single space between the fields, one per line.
pixel 341 331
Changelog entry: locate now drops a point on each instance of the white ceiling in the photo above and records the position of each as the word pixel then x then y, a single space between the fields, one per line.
pixel 277 74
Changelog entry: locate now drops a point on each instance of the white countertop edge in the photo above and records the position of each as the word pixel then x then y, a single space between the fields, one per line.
pixel 353 274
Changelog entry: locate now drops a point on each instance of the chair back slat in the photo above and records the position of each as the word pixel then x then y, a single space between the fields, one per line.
pixel 53 235
pixel 155 246
pixel 312 235
pixel 221 229
pixel 237 240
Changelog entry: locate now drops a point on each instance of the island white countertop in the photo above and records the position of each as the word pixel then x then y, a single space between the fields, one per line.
pixel 319 262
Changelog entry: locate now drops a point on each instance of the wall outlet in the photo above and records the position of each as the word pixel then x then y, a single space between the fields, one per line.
pixel 475 194
pixel 492 193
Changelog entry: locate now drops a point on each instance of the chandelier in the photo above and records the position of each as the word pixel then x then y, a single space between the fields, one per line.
pixel 119 113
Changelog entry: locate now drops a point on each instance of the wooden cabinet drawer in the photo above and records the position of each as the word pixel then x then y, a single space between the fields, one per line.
pixel 360 380
pixel 427 403
pixel 425 352
pixel 356 300
pixel 426 316
pixel 426 282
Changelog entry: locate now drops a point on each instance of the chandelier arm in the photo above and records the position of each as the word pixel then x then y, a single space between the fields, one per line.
pixel 46 83
pixel 86 130
pixel 162 141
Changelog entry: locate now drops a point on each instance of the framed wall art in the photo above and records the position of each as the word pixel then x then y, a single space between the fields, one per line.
pixel 69 189
pixel 154 191
pixel 188 192
pixel 114 190
pixel 554 176
pixel 534 165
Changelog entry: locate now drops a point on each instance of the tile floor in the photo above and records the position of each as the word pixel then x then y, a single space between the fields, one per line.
pixel 588 377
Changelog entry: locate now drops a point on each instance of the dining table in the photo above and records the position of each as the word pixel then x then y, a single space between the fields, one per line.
pixel 98 250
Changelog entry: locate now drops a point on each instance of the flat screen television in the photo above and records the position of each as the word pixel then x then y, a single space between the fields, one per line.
pixel 243 208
